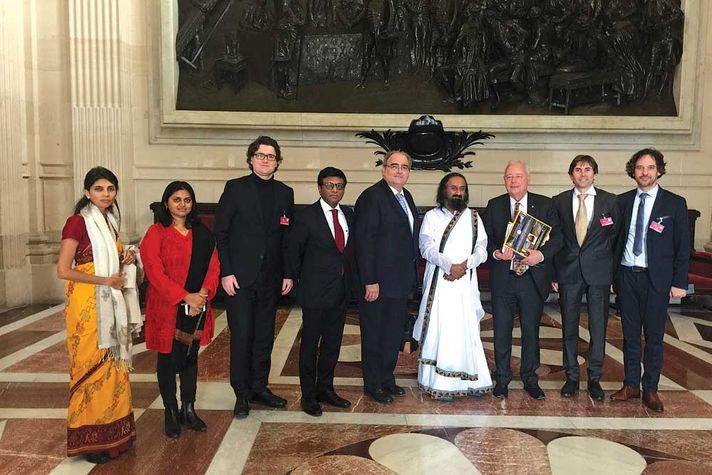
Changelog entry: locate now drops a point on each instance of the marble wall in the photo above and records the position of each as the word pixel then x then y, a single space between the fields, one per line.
pixel 89 82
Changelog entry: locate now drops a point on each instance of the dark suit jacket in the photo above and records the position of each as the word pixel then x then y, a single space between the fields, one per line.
pixel 315 260
pixel 495 219
pixel 593 261
pixel 669 251
pixel 386 248
pixel 244 243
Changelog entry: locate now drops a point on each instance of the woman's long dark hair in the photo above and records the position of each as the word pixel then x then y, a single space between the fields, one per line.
pixel 92 176
pixel 164 216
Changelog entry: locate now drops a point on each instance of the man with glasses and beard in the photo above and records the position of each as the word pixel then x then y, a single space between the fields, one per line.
pixel 251 224
pixel 453 243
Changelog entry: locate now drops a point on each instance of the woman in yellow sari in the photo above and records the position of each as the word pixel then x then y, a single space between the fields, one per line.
pixel 101 317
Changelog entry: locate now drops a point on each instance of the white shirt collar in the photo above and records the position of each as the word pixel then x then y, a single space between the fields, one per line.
pixel 590 192
pixel 325 206
pixel 512 201
pixel 395 192
pixel 651 193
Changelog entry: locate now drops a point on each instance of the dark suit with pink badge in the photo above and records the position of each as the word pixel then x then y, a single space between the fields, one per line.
pixel 325 277
pixel 586 269
pixel 644 292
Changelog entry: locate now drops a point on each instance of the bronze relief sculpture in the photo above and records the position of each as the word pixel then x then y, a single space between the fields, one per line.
pixel 441 56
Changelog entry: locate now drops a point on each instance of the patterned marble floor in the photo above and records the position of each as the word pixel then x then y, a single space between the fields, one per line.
pixel 414 435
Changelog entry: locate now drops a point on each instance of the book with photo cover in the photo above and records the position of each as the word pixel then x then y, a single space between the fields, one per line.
pixel 526 232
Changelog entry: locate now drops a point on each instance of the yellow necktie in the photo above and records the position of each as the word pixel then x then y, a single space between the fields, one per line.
pixel 581 219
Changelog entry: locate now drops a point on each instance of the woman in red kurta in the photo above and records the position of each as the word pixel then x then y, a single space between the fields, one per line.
pixel 182 268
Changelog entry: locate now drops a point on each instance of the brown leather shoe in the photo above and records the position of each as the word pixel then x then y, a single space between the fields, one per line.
pixel 625 393
pixel 652 401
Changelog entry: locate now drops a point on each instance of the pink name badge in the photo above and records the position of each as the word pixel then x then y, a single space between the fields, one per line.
pixel 607 221
pixel 657 227
pixel 284 221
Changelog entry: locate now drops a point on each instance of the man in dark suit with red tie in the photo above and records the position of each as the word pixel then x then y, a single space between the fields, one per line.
pixel 516 287
pixel 590 221
pixel 387 257
pixel 654 255
pixel 321 254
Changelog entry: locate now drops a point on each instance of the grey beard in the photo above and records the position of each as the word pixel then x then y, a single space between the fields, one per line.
pixel 456 204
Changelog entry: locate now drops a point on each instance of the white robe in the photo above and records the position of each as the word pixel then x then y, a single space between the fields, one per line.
pixel 452 360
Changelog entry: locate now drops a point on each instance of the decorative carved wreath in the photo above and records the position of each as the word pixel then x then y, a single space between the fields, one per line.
pixel 426 141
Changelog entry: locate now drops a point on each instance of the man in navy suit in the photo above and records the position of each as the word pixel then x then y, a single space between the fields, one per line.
pixel 654 253
pixel 321 256
pixel 590 222
pixel 251 223
pixel 386 255
pixel 513 289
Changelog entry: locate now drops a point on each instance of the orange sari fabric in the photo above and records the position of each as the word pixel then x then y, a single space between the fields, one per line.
pixel 100 417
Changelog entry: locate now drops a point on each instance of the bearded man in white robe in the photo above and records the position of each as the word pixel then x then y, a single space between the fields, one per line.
pixel 453 242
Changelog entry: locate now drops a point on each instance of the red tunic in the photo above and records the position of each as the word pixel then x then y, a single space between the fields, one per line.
pixel 166 259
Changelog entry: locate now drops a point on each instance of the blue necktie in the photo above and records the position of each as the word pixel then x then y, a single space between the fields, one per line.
pixel 404 205
pixel 639 226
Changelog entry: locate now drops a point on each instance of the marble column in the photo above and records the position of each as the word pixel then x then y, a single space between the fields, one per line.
pixel 14 221
pixel 101 94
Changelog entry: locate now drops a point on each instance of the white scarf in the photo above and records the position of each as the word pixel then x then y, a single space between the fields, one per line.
pixel 118 314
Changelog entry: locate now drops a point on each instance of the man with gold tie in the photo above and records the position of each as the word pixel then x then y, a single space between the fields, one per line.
pixel 590 222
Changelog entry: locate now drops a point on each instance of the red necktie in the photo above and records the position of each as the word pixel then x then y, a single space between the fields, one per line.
pixel 338 231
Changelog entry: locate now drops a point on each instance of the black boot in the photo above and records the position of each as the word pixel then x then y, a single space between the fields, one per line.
pixel 99 458
pixel 190 418
pixel 172 420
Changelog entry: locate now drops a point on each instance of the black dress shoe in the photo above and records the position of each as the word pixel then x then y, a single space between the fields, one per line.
pixel 329 396
pixel 268 398
pixel 311 407
pixel 570 388
pixel 101 457
pixel 500 391
pixel 534 391
pixel 596 391
pixel 393 390
pixel 190 419
pixel 379 396
pixel 242 407
pixel 172 422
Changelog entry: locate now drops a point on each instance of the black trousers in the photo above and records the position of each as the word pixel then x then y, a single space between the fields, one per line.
pixel 520 292
pixel 597 297
pixel 250 316
pixel 166 370
pixel 322 331
pixel 641 306
pixel 382 322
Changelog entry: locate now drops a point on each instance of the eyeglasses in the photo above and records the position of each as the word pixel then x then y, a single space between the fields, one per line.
pixel 395 167
pixel 270 157
pixel 330 186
